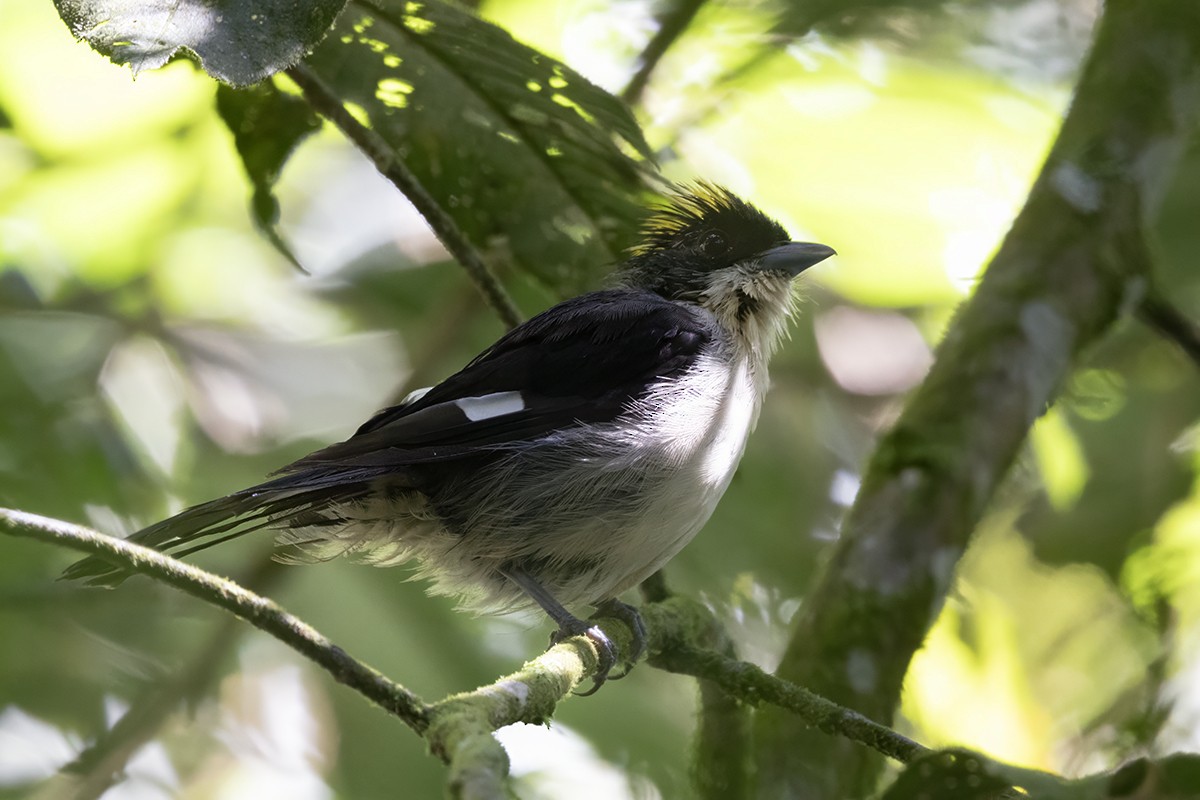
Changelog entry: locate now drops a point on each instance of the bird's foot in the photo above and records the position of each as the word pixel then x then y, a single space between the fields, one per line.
pixel 633 619
pixel 606 649
pixel 607 652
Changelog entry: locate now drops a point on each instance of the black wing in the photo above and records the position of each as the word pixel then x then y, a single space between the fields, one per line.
pixel 582 361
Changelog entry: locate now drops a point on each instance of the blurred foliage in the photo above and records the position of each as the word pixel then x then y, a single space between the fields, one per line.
pixel 156 351
pixel 543 168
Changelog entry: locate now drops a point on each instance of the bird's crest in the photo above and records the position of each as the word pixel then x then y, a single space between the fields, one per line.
pixel 691 208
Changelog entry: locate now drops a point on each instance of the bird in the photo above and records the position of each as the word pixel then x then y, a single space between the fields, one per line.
pixel 568 461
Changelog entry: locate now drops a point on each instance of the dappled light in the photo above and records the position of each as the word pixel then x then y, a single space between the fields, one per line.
pixel 200 284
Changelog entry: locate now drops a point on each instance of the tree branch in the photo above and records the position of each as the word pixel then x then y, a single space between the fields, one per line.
pixel 1067 269
pixel 671 25
pixel 260 612
pixel 459 727
pixel 384 157
pixel 721 754
pixel 105 759
pixel 100 765
pixel 674 626
pixel 1171 323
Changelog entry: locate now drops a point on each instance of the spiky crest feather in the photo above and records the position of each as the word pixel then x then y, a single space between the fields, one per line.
pixel 690 208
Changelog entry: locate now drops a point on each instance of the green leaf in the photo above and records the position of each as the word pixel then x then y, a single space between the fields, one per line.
pixel 266 125
pixel 523 153
pixel 237 41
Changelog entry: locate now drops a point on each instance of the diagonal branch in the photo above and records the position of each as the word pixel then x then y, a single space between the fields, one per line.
pixel 1066 271
pixel 375 148
pixel 260 612
pixel 671 25
pixel 104 760
pixel 674 626
pixel 1172 323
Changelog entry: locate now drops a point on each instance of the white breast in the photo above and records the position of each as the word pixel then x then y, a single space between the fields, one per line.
pixel 733 422
pixel 703 422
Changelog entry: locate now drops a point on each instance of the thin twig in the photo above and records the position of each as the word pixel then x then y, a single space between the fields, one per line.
pixel 750 683
pixel 673 625
pixel 671 26
pixel 1172 323
pixel 258 611
pixel 376 148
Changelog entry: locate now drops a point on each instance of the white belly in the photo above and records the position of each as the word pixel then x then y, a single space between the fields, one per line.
pixel 706 430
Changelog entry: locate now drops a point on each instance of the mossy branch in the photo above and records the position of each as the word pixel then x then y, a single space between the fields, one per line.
pixel 459 728
pixel 1073 263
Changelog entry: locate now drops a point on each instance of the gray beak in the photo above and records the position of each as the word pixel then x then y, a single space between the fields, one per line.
pixel 795 257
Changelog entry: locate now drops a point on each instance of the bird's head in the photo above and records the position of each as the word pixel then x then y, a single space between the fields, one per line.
pixel 709 247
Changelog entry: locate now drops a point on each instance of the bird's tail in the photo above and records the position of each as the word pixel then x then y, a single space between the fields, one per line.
pixel 267 505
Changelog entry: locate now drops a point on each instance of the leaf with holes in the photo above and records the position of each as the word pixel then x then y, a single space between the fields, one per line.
pixel 537 166
pixel 237 41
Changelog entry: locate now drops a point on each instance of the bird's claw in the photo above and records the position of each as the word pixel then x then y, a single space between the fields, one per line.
pixel 633 619
pixel 607 652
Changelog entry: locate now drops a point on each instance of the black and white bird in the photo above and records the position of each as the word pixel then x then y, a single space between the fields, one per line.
pixel 568 461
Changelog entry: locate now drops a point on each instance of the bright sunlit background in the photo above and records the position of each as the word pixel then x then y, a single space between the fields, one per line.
pixel 156 351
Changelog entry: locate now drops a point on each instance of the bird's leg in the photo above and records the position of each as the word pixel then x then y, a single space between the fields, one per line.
pixel 633 619
pixel 568 624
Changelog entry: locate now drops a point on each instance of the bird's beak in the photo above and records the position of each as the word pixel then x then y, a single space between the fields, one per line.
pixel 795 257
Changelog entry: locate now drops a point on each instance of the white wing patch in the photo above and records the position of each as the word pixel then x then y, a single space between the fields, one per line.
pixel 490 405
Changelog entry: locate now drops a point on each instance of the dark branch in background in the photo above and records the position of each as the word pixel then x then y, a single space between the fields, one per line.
pixel 327 104
pixel 104 761
pixel 459 728
pixel 722 758
pixel 722 766
pixel 1063 275
pixel 674 20
pixel 1170 322
pixel 258 611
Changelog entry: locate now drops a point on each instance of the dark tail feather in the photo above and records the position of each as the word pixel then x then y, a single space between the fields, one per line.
pixel 202 526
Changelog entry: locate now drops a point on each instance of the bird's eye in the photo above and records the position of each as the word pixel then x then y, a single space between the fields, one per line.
pixel 714 244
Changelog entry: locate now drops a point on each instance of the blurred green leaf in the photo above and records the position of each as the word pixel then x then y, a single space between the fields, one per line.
pixel 1060 459
pixel 238 41
pixel 267 125
pixel 530 159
